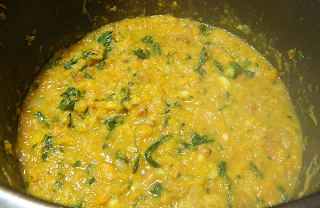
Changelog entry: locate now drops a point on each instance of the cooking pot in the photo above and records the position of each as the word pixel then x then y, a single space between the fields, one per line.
pixel 286 32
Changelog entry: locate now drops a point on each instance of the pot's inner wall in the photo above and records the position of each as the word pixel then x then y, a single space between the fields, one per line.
pixel 58 23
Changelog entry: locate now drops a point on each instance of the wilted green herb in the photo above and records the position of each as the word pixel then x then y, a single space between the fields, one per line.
pixel 156 49
pixel 153 147
pixel 256 171
pixel 204 29
pixel 166 121
pixel 120 156
pixel 69 98
pixel 157 189
pixel 91 180
pixel 147 39
pixel 77 164
pixel 141 54
pixel 42 119
pixel 218 65
pixel 283 192
pixel 69 120
pixel 59 184
pixel 113 122
pixel 197 139
pixel 203 58
pixel 54 62
pixel 222 168
pixel 127 93
pixel 68 65
pixel 136 164
pixel 188 57
pixel 106 38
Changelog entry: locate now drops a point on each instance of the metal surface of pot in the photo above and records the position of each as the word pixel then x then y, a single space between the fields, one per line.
pixel 32 30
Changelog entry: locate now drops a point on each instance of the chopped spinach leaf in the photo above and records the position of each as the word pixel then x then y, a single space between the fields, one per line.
pixel 84 67
pixel 100 64
pixel 255 169
pixel 54 62
pixel 147 39
pixel 127 93
pixel 222 168
pixel 69 98
pixel 197 139
pixel 113 122
pixel 91 180
pixel 237 70
pixel 283 192
pixel 204 29
pixel 69 120
pixel 120 156
pixel 68 65
pixel 153 147
pixel 45 156
pixel 48 141
pixel 106 38
pixel 188 57
pixel 59 184
pixel 166 121
pixel 41 118
pixel 77 164
pixel 136 164
pixel 141 54
pixel 80 205
pixel 156 49
pixel 33 146
pixel 86 54
pixel 157 189
pixel 203 58
pixel 218 65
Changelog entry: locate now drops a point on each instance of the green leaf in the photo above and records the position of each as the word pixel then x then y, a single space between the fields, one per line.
pixel 203 58
pixel 136 164
pixel 147 39
pixel 166 121
pixel 222 168
pixel 218 65
pixel 106 38
pixel 68 65
pixel 204 29
pixel 141 54
pixel 237 70
pixel 283 192
pixel 197 139
pixel 48 141
pixel 156 49
pixel 127 93
pixel 69 98
pixel 153 147
pixel 54 62
pixel 77 164
pixel 91 180
pixel 255 169
pixel 41 118
pixel 113 122
pixel 157 189
pixel 120 156
pixel 69 120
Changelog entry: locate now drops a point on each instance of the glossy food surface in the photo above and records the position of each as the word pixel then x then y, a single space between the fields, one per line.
pixel 159 111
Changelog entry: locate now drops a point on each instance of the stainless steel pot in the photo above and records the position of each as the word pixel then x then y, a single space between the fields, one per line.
pixel 265 24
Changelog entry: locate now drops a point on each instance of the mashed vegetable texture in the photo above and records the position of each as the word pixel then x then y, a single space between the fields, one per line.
pixel 159 112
